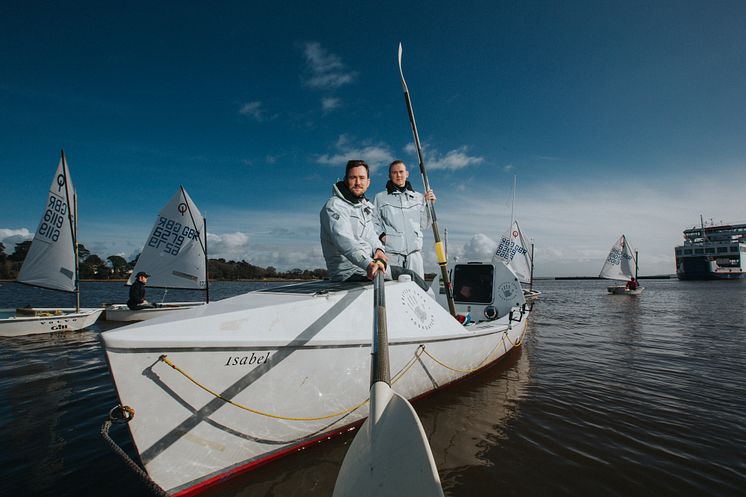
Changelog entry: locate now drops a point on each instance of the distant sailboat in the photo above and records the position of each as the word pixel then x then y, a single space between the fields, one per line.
pixel 514 252
pixel 621 265
pixel 175 256
pixel 52 262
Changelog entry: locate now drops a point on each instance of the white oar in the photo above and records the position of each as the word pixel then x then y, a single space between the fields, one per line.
pixel 390 455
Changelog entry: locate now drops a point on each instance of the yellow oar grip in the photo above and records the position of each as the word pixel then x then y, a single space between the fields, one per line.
pixel 440 252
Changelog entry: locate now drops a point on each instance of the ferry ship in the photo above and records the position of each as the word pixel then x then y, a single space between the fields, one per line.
pixel 712 253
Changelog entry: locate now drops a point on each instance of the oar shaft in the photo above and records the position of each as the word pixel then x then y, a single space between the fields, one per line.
pixel 440 252
pixel 379 364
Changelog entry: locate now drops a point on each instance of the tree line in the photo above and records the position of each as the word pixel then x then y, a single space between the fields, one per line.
pixel 116 267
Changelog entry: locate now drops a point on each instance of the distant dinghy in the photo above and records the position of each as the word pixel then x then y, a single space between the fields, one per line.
pixel 516 254
pixel 621 265
pixel 52 263
pixel 175 257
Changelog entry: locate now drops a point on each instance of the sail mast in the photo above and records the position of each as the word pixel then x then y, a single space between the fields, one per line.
pixel 207 262
pixel 73 219
pixel 77 262
pixel 531 281
pixel 512 206
pixel 636 267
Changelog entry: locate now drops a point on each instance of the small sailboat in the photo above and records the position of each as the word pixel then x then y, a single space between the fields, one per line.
pixel 621 265
pixel 52 263
pixel 516 254
pixel 175 257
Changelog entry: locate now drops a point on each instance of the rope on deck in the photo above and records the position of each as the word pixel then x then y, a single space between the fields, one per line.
pixel 122 415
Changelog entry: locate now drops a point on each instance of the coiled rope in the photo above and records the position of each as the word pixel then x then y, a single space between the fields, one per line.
pixel 122 415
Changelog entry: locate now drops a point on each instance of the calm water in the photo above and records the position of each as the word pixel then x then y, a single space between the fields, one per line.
pixel 609 396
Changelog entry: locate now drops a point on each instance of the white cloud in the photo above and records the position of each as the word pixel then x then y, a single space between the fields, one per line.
pixel 479 248
pixel 326 70
pixel 330 103
pixel 452 160
pixel 376 155
pixel 252 109
pixel 228 245
pixel 575 226
pixel 10 237
pixel 508 168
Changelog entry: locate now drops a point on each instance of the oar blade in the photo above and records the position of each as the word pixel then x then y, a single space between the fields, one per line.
pixel 390 457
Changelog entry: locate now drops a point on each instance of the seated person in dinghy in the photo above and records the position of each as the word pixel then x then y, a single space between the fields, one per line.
pixel 137 293
pixel 632 284
pixel 349 239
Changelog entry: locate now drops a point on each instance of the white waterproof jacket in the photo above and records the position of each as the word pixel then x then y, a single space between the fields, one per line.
pixel 348 236
pixel 403 217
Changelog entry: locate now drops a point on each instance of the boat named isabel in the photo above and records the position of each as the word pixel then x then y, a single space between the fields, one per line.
pixel 226 386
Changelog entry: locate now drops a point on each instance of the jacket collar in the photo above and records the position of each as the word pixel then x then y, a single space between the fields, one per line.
pixel 343 191
pixel 391 187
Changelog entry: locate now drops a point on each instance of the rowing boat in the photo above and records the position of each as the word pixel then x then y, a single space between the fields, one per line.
pixel 222 388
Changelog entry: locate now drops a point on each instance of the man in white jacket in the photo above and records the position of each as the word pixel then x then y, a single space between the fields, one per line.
pixel 349 234
pixel 403 218
pixel 349 241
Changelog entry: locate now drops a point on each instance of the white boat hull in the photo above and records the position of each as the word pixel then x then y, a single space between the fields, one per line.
pixel 531 294
pixel 48 320
pixel 623 290
pixel 287 355
pixel 120 312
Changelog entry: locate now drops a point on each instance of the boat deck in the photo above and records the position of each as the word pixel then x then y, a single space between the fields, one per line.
pixel 317 287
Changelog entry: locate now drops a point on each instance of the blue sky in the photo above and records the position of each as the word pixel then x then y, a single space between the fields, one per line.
pixel 616 117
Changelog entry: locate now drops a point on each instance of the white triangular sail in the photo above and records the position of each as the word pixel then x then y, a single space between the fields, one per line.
pixel 174 253
pixel 620 263
pixel 50 262
pixel 514 252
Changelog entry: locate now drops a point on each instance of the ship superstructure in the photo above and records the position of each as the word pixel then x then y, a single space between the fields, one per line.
pixel 712 253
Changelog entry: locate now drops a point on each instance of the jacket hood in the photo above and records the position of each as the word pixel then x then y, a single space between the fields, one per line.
pixel 391 187
pixel 342 190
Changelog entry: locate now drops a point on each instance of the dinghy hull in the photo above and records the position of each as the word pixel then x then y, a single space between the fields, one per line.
pixel 623 290
pixel 290 365
pixel 47 320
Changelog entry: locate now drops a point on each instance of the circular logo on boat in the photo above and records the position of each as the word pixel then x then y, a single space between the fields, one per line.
pixel 417 309
pixel 506 291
